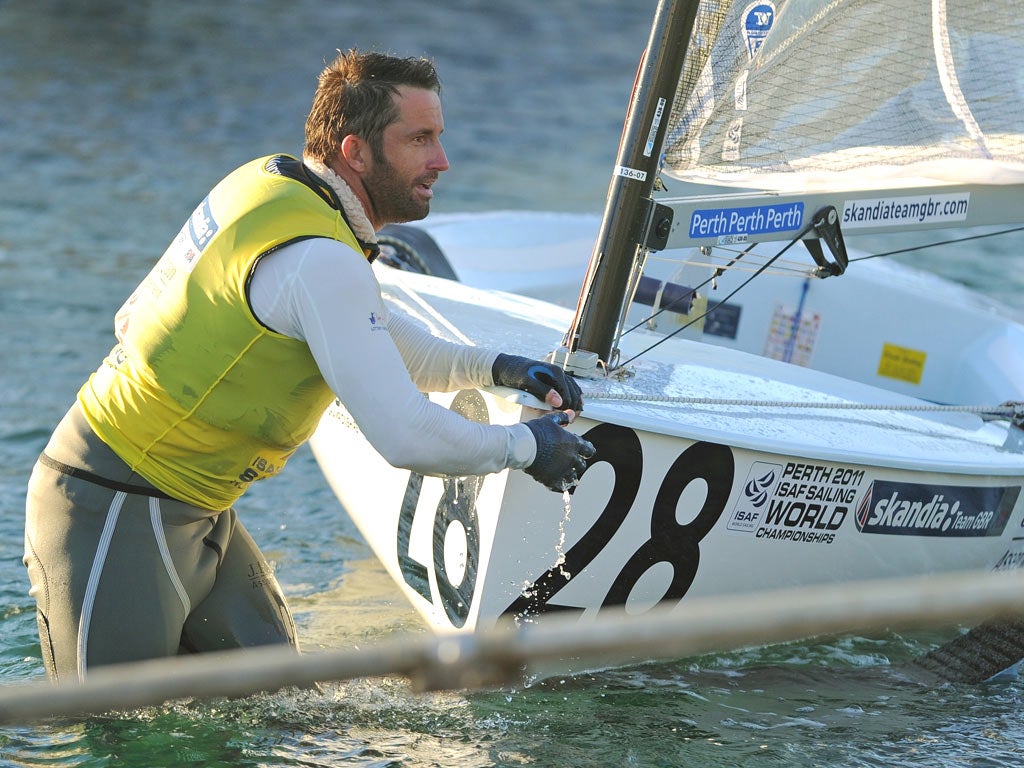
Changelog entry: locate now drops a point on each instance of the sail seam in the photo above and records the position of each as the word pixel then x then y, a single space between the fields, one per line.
pixel 946 69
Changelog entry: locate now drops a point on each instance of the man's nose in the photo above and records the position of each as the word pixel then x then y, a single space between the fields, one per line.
pixel 439 162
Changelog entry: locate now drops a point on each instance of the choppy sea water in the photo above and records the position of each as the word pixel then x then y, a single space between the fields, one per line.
pixel 115 119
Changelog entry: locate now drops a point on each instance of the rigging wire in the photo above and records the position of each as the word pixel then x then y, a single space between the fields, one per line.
pixel 793 271
pixel 736 290
pixel 952 241
pixel 716 262
pixel 719 270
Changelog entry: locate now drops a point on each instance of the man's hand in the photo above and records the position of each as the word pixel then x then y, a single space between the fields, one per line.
pixel 544 381
pixel 561 455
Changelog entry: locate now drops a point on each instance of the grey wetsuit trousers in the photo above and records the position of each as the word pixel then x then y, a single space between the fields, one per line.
pixel 121 572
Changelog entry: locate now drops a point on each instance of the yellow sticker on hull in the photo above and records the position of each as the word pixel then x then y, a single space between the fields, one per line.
pixel 901 363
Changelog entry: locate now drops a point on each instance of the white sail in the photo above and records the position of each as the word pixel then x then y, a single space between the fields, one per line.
pixel 790 93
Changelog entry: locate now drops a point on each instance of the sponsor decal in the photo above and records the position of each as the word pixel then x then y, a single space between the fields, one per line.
pixel 902 363
pixel 899 211
pixel 795 501
pixel 740 92
pixel 181 257
pixel 792 335
pixel 376 324
pixel 658 114
pixel 912 509
pixel 1010 561
pixel 757 23
pixel 260 574
pixel 202 226
pixel 746 221
pixel 722 320
pixel 731 142
pixel 760 484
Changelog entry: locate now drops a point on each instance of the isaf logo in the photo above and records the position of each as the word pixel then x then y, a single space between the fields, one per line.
pixel 756 490
pixel 759 487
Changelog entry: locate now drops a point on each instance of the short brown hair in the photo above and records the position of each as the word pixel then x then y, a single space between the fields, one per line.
pixel 354 96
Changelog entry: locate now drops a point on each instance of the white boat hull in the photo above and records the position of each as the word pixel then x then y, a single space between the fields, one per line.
pixel 683 498
pixel 660 518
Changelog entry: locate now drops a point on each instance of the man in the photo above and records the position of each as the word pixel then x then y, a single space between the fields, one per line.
pixel 261 311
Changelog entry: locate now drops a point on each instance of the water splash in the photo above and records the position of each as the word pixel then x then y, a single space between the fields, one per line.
pixel 560 546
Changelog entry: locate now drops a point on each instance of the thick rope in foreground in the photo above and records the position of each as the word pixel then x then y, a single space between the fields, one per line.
pixel 500 656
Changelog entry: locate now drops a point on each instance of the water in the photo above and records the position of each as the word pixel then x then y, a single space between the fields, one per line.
pixel 115 119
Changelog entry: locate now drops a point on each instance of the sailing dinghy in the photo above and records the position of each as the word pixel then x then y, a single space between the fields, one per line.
pixel 814 419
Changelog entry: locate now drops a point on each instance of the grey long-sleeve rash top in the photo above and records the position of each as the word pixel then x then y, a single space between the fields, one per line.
pixel 377 362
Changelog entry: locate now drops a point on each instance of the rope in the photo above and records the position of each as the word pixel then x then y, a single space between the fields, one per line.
pixel 736 290
pixel 794 271
pixel 1006 409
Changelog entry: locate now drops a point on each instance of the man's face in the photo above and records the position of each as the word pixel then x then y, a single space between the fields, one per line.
pixel 400 187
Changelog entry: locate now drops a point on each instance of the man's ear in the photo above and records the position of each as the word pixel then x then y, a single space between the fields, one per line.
pixel 355 152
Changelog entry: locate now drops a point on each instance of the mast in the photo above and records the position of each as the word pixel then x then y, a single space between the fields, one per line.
pixel 631 220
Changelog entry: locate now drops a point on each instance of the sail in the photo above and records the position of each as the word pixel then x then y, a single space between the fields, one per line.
pixel 790 93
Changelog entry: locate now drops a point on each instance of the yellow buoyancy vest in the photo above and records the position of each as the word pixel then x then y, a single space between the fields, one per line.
pixel 198 397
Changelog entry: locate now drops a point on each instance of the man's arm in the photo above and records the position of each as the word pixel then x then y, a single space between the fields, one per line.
pixel 324 293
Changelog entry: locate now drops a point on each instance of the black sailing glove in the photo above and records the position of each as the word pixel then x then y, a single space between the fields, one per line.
pixel 538 378
pixel 561 454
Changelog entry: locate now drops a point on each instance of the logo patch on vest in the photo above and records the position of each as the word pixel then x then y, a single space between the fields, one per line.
pixel 201 229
